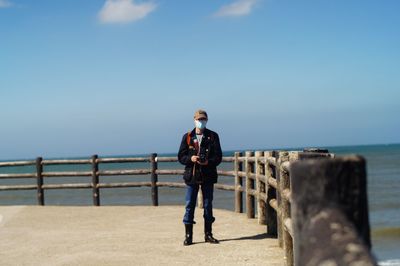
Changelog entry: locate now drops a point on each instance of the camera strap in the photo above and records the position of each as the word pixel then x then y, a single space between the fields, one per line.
pixel 193 141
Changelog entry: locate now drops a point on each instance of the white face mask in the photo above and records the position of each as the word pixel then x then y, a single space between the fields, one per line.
pixel 200 124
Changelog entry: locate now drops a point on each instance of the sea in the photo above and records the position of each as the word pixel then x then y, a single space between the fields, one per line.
pixel 383 169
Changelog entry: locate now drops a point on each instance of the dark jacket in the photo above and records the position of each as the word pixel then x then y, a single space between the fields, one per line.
pixel 208 172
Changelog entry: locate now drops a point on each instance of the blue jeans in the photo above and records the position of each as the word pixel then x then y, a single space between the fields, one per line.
pixel 191 197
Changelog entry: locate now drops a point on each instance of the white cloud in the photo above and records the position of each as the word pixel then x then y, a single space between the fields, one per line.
pixel 5 3
pixel 124 11
pixel 237 8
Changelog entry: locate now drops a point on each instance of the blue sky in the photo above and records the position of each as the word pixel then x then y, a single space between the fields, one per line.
pixel 125 77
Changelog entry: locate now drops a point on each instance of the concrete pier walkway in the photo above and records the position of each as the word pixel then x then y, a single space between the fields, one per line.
pixel 128 235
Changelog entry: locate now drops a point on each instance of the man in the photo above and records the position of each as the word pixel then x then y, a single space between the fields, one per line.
pixel 200 152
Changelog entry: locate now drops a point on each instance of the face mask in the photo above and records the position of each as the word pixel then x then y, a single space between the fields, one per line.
pixel 200 124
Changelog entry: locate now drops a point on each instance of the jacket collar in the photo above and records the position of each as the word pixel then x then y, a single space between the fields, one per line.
pixel 206 133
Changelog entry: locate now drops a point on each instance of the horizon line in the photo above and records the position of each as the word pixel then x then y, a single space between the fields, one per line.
pixel 226 151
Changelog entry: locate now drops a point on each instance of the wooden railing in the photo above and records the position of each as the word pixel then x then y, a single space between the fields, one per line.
pixel 95 173
pixel 268 185
pixel 262 179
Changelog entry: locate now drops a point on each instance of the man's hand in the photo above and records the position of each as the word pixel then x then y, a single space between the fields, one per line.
pixel 194 158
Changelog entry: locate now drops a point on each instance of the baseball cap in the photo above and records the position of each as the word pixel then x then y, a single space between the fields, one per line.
pixel 200 114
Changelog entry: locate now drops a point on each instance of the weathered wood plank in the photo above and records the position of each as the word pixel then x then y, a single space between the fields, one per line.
pixel 67 186
pixel 171 184
pixel 170 172
pixel 124 160
pixel 284 185
pixel 95 181
pixel 238 167
pixel 270 186
pixel 226 173
pixel 17 176
pixel 124 184
pixel 39 180
pixel 66 161
pixel 260 188
pixel 18 187
pixel 124 172
pixel 66 174
pixel 250 201
pixel 17 163
pixel 224 187
pixel 154 179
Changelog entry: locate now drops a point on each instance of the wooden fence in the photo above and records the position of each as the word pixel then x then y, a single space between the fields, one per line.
pixel 153 171
pixel 262 179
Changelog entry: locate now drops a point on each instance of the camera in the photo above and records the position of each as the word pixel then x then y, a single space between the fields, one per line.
pixel 203 155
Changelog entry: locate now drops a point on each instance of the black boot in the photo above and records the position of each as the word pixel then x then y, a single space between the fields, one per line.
pixel 208 237
pixel 188 235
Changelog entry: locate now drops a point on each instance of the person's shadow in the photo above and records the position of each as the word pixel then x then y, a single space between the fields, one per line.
pixel 254 237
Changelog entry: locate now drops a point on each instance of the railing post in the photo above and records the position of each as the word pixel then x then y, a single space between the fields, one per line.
pixel 284 186
pixel 154 179
pixel 281 154
pixel 249 186
pixel 330 212
pixel 95 181
pixel 39 179
pixel 271 215
pixel 238 167
pixel 260 188
pixel 293 157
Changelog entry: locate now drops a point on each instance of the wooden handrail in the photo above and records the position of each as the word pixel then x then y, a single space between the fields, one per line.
pixel 262 178
pixel 17 176
pixel 17 163
pixel 65 161
pixel 17 187
pixel 124 160
pixel 66 174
